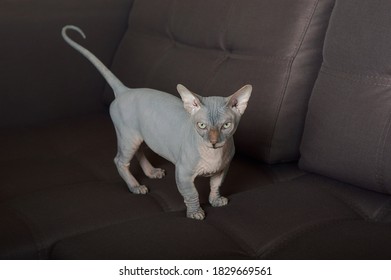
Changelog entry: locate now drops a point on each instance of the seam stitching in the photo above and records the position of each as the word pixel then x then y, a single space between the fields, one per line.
pixel 380 159
pixel 382 212
pixel 356 77
pixel 287 79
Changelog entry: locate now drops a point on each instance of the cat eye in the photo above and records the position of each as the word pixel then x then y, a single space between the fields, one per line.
pixel 227 125
pixel 201 125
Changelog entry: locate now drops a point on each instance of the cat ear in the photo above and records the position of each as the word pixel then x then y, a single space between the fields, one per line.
pixel 238 101
pixel 191 101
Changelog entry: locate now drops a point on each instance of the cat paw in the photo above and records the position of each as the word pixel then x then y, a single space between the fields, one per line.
pixel 219 201
pixel 197 215
pixel 139 189
pixel 156 173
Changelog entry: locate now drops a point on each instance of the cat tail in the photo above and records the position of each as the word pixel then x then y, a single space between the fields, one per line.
pixel 117 86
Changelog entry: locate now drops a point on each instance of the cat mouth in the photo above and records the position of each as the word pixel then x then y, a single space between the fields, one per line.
pixel 216 146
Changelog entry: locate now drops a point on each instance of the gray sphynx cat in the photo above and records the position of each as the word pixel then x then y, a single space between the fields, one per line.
pixel 195 134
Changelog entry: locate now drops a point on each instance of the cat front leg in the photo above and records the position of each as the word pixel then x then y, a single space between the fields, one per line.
pixel 215 199
pixel 186 187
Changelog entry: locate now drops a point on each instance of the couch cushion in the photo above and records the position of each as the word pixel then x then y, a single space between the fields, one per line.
pixel 348 240
pixel 256 224
pixel 347 133
pixel 274 45
pixel 168 236
pixel 59 180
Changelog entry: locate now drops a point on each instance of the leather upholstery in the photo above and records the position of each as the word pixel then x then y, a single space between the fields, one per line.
pixel 62 198
pixel 347 131
pixel 203 44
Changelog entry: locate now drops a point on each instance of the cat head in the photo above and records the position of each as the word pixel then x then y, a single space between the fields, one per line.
pixel 215 118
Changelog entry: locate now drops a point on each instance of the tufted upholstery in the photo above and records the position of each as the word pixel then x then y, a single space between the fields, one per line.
pixel 251 226
pixel 61 196
pixel 70 185
pixel 202 44
pixel 357 74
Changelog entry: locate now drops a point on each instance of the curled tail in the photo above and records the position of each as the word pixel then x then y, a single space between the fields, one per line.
pixel 112 80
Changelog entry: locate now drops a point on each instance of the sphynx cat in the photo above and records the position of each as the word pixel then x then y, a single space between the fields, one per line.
pixel 194 133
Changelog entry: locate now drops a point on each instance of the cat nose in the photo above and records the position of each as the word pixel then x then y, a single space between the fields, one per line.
pixel 213 136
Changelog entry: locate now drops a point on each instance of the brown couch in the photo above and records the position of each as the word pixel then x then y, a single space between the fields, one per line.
pixel 311 178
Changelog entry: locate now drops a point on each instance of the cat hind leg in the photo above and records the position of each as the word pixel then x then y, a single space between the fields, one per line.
pixel 147 167
pixel 127 147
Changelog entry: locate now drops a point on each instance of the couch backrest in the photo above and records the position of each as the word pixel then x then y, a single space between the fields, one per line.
pixel 348 128
pixel 216 46
pixel 41 77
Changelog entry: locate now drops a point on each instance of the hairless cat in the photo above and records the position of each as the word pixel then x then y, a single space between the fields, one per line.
pixel 194 133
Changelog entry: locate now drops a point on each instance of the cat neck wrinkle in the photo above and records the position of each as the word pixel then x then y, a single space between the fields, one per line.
pixel 212 161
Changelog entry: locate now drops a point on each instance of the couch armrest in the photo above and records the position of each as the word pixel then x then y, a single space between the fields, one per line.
pixel 42 78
